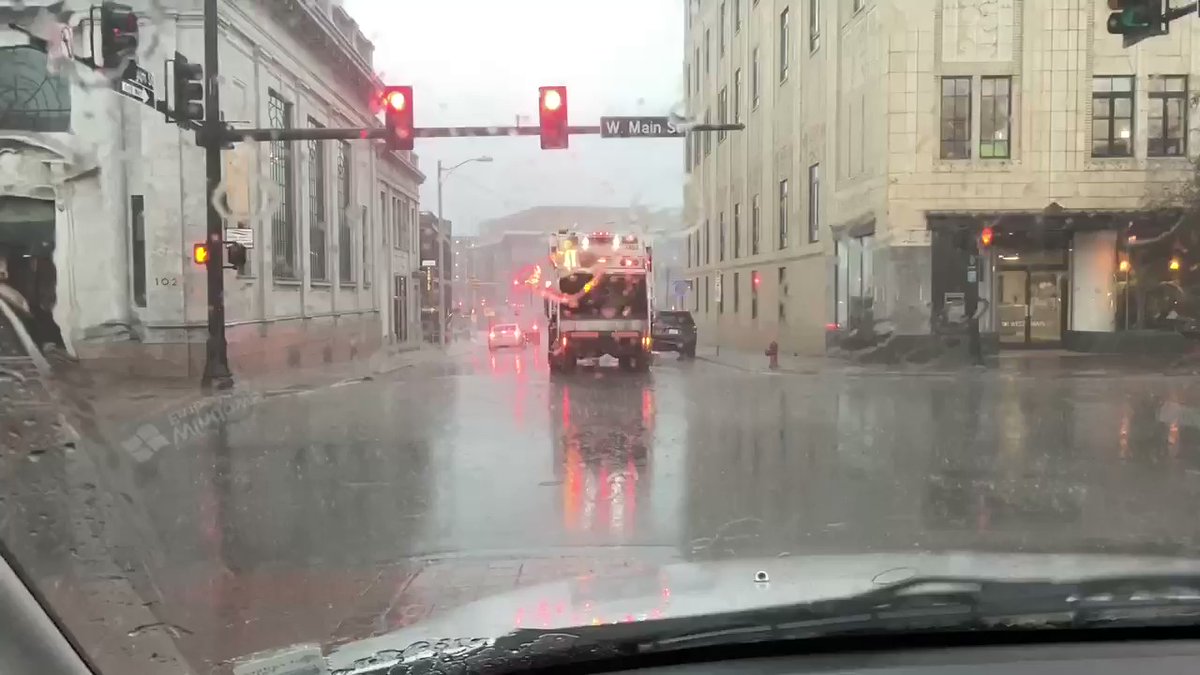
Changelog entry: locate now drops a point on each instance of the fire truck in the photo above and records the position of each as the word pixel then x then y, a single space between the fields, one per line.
pixel 599 300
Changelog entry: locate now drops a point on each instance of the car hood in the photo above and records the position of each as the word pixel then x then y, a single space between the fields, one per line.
pixel 690 589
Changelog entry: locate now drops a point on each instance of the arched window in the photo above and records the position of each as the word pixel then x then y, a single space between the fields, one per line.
pixel 32 98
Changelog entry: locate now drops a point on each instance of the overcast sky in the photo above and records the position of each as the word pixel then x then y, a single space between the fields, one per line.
pixel 479 62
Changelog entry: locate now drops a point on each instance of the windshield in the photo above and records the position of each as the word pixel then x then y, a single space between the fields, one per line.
pixel 854 292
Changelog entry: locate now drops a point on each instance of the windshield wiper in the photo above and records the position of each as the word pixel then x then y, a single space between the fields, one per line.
pixel 924 604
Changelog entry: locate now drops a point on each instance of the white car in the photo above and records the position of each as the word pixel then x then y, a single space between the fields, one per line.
pixel 505 335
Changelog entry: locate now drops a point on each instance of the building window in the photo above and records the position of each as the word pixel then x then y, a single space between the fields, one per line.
pixel 367 246
pixel 737 230
pixel 345 229
pixel 755 282
pixel 316 207
pixel 995 111
pixel 721 236
pixel 383 218
pixel 814 25
pixel 687 82
pixel 697 243
pixel 737 285
pixel 696 63
pixel 783 295
pixel 854 283
pixel 283 222
pixel 696 295
pixel 755 82
pixel 1112 116
pixel 137 222
pixel 859 4
pixel 707 52
pixel 737 96
pixel 1167 135
pixel 707 306
pixel 707 243
pixel 755 226
pixel 721 293
pixel 31 97
pixel 722 112
pixel 721 28
pixel 783 44
pixel 783 214
pixel 737 16
pixel 814 203
pixel 707 135
pixel 956 117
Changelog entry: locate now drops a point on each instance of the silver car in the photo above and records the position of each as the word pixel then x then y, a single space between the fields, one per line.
pixel 505 335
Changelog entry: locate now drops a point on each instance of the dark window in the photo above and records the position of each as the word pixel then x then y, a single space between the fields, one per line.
pixel 737 283
pixel 737 15
pixel 367 247
pixel 687 153
pixel 722 111
pixel 707 135
pixel 956 117
pixel 783 214
pixel 721 28
pixel 317 218
pixel 995 111
pixel 1112 116
pixel 721 294
pixel 707 52
pixel 783 44
pixel 783 294
pixel 737 230
pixel 755 227
pixel 706 295
pixel 721 236
pixel 283 222
pixel 32 98
pixel 1167 135
pixel 137 222
pixel 695 295
pixel 755 280
pixel 737 96
pixel 814 25
pixel 696 71
pixel 755 82
pixel 707 243
pixel 814 203
pixel 345 215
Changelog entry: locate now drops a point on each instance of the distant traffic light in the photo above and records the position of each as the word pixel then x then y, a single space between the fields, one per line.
pixel 552 117
pixel 398 117
pixel 985 236
pixel 1137 20
pixel 200 254
pixel 118 34
pixel 189 91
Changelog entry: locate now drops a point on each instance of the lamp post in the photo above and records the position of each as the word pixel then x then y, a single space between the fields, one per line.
pixel 443 315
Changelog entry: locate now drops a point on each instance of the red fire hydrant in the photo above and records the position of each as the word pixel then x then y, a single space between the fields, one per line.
pixel 772 355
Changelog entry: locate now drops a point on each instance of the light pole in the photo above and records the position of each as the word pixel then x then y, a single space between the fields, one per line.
pixel 442 174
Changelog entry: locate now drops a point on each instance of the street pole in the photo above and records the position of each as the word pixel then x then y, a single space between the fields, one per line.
pixel 216 362
pixel 441 308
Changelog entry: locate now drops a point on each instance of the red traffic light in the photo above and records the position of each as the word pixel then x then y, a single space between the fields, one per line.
pixel 200 254
pixel 398 117
pixel 985 236
pixel 756 279
pixel 552 117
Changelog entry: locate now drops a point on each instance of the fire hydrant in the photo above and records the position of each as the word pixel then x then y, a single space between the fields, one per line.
pixel 773 355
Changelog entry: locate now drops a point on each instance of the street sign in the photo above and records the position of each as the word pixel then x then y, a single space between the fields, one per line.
pixel 139 88
pixel 638 127
pixel 427 262
pixel 240 235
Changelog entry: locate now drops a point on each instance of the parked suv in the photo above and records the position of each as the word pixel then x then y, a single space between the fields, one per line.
pixel 674 331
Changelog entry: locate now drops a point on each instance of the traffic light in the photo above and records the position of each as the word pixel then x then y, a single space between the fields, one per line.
pixel 118 34
pixel 236 255
pixel 398 116
pixel 200 254
pixel 1136 20
pixel 552 117
pixel 189 90
pixel 985 236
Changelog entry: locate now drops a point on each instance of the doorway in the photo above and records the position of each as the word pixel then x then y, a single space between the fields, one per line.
pixel 1031 306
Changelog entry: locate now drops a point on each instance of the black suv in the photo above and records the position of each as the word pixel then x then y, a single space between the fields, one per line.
pixel 674 331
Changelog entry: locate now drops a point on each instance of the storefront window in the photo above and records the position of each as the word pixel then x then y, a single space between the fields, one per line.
pixel 1157 278
pixel 854 282
pixel 31 98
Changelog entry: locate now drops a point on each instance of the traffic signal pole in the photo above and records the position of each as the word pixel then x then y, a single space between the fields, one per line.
pixel 216 357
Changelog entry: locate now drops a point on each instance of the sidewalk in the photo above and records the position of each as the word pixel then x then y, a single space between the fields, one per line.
pixel 756 362
pixel 109 398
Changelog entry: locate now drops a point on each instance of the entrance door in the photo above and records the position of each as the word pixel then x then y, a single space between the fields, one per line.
pixel 1030 307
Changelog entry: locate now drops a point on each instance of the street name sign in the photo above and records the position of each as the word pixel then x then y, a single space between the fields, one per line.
pixel 240 235
pixel 639 127
pixel 139 88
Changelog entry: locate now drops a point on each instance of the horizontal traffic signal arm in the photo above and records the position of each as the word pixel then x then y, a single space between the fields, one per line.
pixel 231 135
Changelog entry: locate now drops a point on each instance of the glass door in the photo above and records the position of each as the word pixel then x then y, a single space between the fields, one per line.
pixel 1030 306
pixel 1012 305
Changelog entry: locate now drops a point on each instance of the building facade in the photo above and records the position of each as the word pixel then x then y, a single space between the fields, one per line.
pixel 882 137
pixel 117 195
pixel 436 273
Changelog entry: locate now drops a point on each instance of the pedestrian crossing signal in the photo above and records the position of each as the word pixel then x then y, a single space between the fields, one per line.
pixel 200 254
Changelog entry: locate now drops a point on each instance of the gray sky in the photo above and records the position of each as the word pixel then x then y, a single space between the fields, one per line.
pixel 479 62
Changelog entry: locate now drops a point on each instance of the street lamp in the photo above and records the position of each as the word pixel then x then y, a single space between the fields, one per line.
pixel 442 174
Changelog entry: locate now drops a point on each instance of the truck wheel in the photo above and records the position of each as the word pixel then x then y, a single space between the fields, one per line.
pixel 641 364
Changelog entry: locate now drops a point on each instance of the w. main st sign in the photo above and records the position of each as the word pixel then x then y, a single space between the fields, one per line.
pixel 639 127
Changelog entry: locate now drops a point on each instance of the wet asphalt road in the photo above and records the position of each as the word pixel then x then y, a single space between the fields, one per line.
pixel 342 512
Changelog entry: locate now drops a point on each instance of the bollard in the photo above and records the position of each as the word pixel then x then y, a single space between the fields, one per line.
pixel 773 355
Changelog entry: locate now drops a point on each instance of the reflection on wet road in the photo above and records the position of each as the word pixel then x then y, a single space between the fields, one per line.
pixel 352 510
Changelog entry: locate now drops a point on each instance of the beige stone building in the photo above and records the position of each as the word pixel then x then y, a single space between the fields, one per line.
pixel 882 134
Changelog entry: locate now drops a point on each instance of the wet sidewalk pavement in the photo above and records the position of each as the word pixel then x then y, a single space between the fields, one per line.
pixel 1044 363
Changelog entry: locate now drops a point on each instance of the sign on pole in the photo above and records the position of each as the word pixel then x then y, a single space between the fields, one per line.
pixel 139 88
pixel 638 127
pixel 240 235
